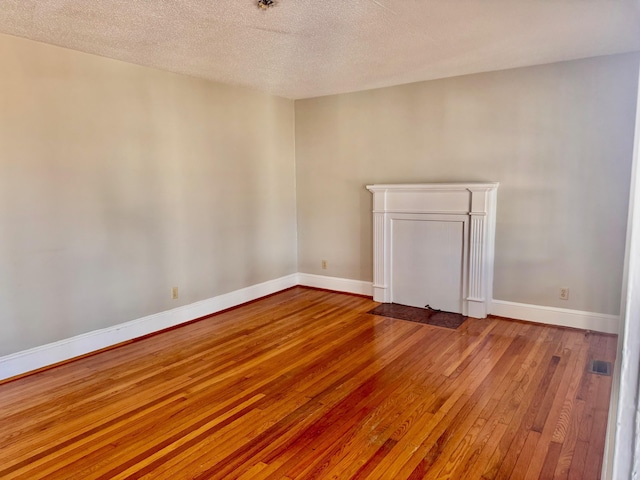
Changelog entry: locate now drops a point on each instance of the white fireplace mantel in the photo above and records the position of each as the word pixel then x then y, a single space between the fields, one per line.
pixel 473 203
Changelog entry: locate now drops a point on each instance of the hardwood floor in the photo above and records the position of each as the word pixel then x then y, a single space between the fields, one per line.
pixel 305 384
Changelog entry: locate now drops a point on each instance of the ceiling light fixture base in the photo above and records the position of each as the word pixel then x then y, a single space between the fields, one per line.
pixel 265 4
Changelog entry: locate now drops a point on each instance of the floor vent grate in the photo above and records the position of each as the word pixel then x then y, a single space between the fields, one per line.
pixel 600 367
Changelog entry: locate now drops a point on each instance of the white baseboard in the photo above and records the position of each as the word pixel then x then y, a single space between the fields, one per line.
pixel 334 283
pixel 562 317
pixel 52 353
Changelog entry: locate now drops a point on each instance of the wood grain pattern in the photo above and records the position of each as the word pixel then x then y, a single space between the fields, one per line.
pixel 305 384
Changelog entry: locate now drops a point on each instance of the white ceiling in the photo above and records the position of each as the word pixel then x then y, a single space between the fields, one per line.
pixel 307 48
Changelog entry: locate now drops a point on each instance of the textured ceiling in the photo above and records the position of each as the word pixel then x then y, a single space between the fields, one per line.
pixel 306 48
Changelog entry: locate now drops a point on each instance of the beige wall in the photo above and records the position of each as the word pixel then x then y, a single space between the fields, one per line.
pixel 118 182
pixel 557 137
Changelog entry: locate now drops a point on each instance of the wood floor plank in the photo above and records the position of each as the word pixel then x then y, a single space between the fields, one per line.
pixel 448 443
pixel 550 462
pixel 200 382
pixel 305 384
pixel 434 437
pixel 525 456
pixel 474 443
pixel 523 409
pixel 378 424
pixel 568 445
pixel 563 396
pixel 332 395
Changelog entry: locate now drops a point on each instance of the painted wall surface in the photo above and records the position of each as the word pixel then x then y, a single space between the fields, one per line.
pixel 557 137
pixel 118 182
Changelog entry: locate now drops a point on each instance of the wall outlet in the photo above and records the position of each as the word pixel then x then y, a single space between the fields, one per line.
pixel 174 293
pixel 564 293
pixel 324 264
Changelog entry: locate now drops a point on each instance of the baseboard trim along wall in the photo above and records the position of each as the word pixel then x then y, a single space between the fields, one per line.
pixel 52 353
pixel 334 283
pixel 561 317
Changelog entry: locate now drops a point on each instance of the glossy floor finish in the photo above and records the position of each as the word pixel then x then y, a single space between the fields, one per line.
pixel 305 384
